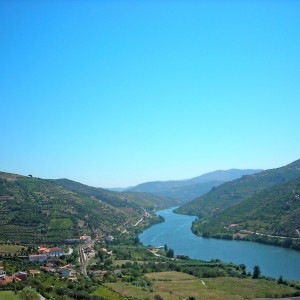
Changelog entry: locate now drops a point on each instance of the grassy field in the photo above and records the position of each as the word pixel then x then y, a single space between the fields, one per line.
pixel 6 248
pixel 8 295
pixel 176 285
pixel 105 292
pixel 128 290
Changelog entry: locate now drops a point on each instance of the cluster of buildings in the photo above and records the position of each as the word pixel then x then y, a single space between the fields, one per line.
pixel 18 276
pixel 45 253
pixel 49 256
pixel 66 271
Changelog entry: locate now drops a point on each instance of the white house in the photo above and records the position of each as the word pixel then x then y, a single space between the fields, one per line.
pixel 52 252
pixel 2 273
pixel 37 257
pixel 109 238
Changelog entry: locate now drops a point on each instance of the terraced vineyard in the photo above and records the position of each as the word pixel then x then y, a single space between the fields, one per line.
pixel 34 210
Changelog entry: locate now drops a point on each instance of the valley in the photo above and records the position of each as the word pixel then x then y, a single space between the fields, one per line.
pixel 99 230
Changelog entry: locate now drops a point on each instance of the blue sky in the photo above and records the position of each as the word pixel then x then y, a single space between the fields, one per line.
pixel 115 93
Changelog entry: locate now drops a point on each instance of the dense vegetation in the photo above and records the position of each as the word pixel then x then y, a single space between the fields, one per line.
pixel 233 192
pixel 34 210
pixel 272 212
pixel 187 190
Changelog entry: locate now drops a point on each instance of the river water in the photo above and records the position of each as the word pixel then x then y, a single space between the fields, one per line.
pixel 176 233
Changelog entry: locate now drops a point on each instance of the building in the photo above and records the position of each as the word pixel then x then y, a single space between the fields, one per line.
pixel 37 258
pixel 49 269
pixel 20 275
pixel 7 279
pixel 52 252
pixel 34 272
pixel 109 238
pixel 2 273
pixel 232 226
pixel 85 238
pixel 68 273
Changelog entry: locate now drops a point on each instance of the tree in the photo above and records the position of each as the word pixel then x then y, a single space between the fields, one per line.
pixel 170 253
pixel 256 272
pixel 243 268
pixel 166 247
pixel 280 279
pixel 28 293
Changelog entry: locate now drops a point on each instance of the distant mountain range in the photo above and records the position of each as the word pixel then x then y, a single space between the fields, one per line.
pixel 189 189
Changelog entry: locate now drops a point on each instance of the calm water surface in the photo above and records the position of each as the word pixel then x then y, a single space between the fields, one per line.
pixel 176 233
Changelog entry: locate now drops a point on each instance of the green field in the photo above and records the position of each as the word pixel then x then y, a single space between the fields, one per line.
pixel 176 285
pixel 105 292
pixel 8 295
pixel 7 248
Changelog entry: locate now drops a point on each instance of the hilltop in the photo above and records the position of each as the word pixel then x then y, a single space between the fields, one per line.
pixel 37 210
pixel 189 189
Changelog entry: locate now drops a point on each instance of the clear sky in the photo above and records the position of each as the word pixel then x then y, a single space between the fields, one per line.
pixel 116 93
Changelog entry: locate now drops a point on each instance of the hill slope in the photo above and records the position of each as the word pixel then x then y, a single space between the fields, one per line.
pixel 233 192
pixel 37 210
pixel 274 211
pixel 186 190
pixel 119 199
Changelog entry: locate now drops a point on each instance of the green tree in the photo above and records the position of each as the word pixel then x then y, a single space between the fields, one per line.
pixel 170 253
pixel 28 293
pixel 256 272
pixel 280 279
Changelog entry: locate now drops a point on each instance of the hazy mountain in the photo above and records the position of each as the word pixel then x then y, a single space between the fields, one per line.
pixel 221 175
pixel 233 192
pixel 188 189
pixel 118 189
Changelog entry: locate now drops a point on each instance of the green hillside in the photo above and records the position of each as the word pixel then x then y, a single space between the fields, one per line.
pixel 134 200
pixel 233 192
pixel 272 212
pixel 37 210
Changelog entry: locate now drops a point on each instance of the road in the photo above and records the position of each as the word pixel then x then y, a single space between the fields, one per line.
pixel 83 261
pixel 268 235
pixel 138 222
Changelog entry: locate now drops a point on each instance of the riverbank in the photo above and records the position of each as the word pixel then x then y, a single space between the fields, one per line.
pixel 234 233
pixel 176 233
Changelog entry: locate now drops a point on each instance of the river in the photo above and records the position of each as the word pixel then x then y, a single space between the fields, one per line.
pixel 176 233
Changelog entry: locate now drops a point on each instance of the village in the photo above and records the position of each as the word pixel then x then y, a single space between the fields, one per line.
pixel 49 260
pixel 82 257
